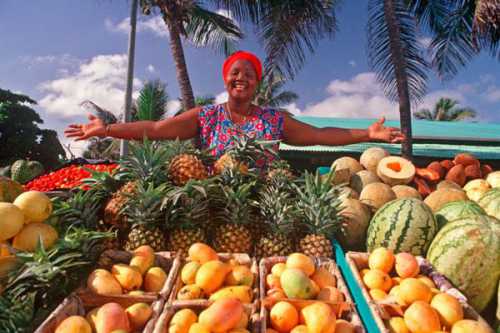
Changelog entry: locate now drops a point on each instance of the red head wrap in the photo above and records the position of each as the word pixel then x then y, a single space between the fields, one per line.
pixel 252 58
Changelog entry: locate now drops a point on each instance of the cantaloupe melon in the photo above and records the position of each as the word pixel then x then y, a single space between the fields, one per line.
pixel 362 178
pixel 394 170
pixel 371 157
pixel 356 216
pixel 494 179
pixel 349 163
pixel 375 195
pixel 437 199
pixel 405 191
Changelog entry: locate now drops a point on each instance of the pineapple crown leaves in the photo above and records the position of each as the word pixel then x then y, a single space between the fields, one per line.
pixel 104 181
pixel 144 205
pixel 81 209
pixel 83 240
pixel 177 147
pixel 16 315
pixel 319 203
pixel 248 149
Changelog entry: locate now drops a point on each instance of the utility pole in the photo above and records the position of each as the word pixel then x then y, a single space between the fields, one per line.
pixel 130 73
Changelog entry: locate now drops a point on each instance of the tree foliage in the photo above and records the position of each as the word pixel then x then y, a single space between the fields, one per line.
pixel 446 109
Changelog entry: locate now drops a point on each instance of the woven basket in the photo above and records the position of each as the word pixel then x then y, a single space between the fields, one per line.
pixel 347 310
pixel 358 261
pixel 78 304
pixel 197 306
pixel 241 258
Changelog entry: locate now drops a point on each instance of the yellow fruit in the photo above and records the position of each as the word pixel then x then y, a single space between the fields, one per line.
pixel 377 279
pixel 363 272
pixel 302 262
pixel 74 324
pixel 211 275
pixel 154 279
pixel 319 318
pixel 427 281
pixel 381 259
pixel 396 281
pixel 278 268
pixel 202 253
pixel 240 275
pixel 283 317
pixel 142 263
pixel 411 290
pixel 448 308
pixel 243 323
pixel 343 326
pixel 29 236
pixel 8 264
pixel 11 220
pixel 223 315
pixel 324 278
pixel 396 293
pixel 91 317
pixel 377 294
pixel 331 294
pixel 272 281
pixel 299 329
pixel 102 282
pixel 406 265
pixel 36 206
pixel 181 321
pixel 238 330
pixel 296 284
pixel 275 294
pixel 136 293
pixel 188 273
pixel 397 325
pixel 421 318
pixel 242 293
pixel 198 328
pixel 111 317
pixel 144 250
pixel 138 315
pixel 188 292
pixel 128 277
pixel 468 326
pixel 4 250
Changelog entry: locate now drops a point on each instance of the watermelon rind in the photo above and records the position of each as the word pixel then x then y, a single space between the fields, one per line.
pixel 456 210
pixel 490 201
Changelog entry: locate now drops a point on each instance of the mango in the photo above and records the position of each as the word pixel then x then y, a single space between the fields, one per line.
pixel 302 262
pixel 142 263
pixel 136 293
pixel 411 290
pixel 377 279
pixel 242 293
pixel 448 308
pixel 243 323
pixel 188 292
pixel 138 315
pixel 202 253
pixel 102 282
pixel 381 259
pixel 211 275
pixel 296 284
pixel 272 281
pixel 154 279
pixel 188 273
pixel 420 317
pixel 343 326
pixel 74 324
pixel 324 278
pixel 181 321
pixel 319 318
pixel 111 317
pixel 239 330
pixel 299 329
pixel 240 275
pixel 331 294
pixel 129 277
pixel 283 317
pixel 278 268
pixel 397 325
pixel 468 325
pixel 377 294
pixel 92 317
pixel 198 328
pixel 406 265
pixel 223 315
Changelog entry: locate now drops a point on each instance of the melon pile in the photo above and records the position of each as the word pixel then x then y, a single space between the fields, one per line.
pixel 205 275
pixel 134 279
pixel 110 317
pixel 418 306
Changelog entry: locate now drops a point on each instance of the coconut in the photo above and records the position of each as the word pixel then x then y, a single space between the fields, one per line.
pixel 349 163
pixel 354 225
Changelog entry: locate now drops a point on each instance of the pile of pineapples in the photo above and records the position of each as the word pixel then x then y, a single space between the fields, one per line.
pixel 171 195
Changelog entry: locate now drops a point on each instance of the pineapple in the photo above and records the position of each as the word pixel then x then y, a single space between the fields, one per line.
pixel 233 234
pixel 187 210
pixel 185 163
pixel 143 212
pixel 277 207
pixel 319 204
pixel 277 168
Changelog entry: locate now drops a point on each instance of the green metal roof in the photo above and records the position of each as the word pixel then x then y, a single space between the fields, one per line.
pixel 452 132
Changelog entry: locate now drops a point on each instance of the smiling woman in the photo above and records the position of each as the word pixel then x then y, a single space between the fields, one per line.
pixel 216 125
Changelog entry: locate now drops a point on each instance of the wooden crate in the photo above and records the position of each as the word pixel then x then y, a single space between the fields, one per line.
pixel 79 305
pixel 166 260
pixel 197 306
pixel 382 311
pixel 347 309
pixel 241 258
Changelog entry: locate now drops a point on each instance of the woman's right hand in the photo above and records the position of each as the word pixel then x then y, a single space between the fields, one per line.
pixel 95 127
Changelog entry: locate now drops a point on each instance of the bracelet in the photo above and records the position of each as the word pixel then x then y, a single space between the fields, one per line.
pixel 106 130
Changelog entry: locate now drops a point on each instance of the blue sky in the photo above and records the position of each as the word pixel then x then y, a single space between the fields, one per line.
pixel 62 52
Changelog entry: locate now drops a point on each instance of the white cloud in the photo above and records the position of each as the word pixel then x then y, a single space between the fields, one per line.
pixel 493 94
pixel 221 98
pixel 65 60
pixel 293 109
pixel 151 68
pixel 153 24
pixel 431 99
pixel 352 63
pixel 172 107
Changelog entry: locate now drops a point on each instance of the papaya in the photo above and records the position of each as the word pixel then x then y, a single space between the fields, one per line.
pixel 202 253
pixel 188 273
pixel 191 291
pixel 223 315
pixel 211 275
pixel 101 282
pixel 74 324
pixel 111 317
pixel 181 321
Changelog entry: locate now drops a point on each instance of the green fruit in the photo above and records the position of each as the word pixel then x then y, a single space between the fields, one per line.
pixel 456 210
pixel 23 171
pixel 296 284
pixel 402 225
pixel 36 168
pixel 467 252
pixel 490 201
pixel 9 189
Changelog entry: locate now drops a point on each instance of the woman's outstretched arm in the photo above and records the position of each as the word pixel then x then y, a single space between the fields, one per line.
pixel 298 133
pixel 183 126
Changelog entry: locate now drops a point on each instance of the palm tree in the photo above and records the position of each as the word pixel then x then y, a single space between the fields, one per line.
pixel 269 92
pixel 151 103
pixel 200 26
pixel 459 30
pixel 198 101
pixel 394 55
pixel 446 109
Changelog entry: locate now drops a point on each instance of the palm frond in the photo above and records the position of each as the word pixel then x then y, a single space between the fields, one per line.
pixel 106 116
pixel 152 101
pixel 283 98
pixel 461 114
pixel 423 114
pixel 486 26
pixel 243 10
pixel 207 28
pixel 397 57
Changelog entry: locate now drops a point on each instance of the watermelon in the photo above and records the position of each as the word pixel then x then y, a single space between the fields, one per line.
pixel 402 225
pixel 490 201
pixel 9 189
pixel 23 171
pixel 456 210
pixel 467 252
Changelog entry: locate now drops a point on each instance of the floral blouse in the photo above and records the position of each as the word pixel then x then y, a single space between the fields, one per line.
pixel 216 127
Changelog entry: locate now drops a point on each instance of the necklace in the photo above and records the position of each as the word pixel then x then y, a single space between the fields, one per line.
pixel 230 116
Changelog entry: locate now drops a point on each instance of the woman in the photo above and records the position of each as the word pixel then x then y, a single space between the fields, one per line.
pixel 215 124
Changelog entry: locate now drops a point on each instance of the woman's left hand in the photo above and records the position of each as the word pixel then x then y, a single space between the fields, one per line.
pixel 377 131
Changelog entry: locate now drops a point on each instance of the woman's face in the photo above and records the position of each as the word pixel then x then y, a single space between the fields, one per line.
pixel 241 80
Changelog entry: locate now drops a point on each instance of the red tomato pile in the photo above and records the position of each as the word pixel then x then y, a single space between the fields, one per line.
pixel 67 178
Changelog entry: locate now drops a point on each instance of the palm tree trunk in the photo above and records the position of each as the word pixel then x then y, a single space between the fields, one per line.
pixel 180 62
pixel 399 64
